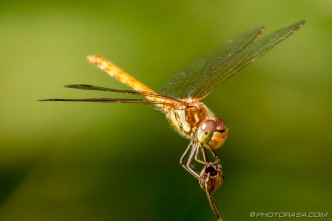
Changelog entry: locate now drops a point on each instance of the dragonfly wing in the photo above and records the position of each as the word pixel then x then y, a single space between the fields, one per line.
pixel 104 100
pixel 133 92
pixel 159 100
pixel 211 76
pixel 181 84
pixel 251 53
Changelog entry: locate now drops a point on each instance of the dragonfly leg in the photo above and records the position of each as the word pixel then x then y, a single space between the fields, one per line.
pixel 185 154
pixel 217 160
pixel 205 159
pixel 198 159
pixel 192 150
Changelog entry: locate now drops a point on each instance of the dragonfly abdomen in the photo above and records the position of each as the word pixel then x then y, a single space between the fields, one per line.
pixel 125 78
pixel 119 74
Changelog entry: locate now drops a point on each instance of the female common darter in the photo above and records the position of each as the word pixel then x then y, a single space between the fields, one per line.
pixel 180 99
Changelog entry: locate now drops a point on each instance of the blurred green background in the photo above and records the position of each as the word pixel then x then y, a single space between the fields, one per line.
pixel 85 161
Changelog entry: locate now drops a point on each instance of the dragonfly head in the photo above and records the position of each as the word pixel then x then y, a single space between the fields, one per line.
pixel 212 133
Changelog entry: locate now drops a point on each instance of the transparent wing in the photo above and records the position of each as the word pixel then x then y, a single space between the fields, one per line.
pixel 181 84
pixel 104 100
pixel 139 93
pixel 164 100
pixel 203 76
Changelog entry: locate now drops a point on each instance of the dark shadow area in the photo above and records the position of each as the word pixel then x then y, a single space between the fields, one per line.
pixel 11 178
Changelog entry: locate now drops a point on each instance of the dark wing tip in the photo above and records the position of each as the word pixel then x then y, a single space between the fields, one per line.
pixel 79 86
pixel 298 25
pixel 260 30
pixel 53 99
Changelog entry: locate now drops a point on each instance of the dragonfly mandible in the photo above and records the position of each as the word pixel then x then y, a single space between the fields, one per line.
pixel 181 98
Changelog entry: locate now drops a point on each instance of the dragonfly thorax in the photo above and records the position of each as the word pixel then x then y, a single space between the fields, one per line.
pixel 195 121
pixel 187 117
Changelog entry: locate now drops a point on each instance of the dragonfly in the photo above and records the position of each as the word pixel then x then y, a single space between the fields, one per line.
pixel 181 97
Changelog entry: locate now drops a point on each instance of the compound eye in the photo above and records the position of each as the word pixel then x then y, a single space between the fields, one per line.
pixel 206 131
pixel 220 126
pixel 212 133
pixel 209 126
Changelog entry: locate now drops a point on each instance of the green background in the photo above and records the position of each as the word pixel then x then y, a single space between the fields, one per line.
pixel 85 161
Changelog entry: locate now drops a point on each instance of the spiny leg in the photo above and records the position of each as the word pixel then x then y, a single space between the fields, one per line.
pixel 205 159
pixel 217 160
pixel 192 150
pixel 197 157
